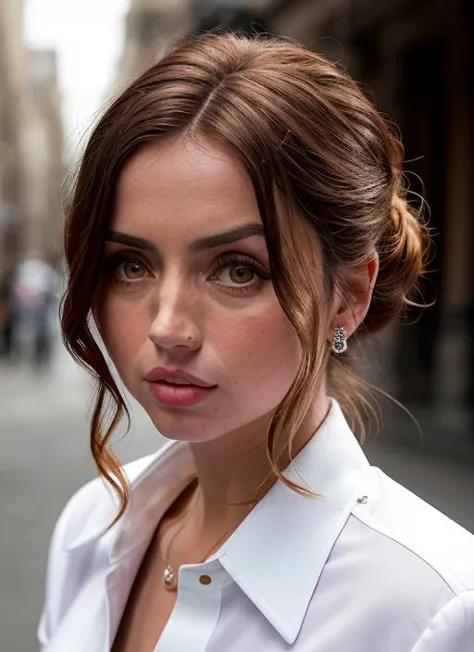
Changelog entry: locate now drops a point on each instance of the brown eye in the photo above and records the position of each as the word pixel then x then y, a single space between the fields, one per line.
pixel 133 270
pixel 240 274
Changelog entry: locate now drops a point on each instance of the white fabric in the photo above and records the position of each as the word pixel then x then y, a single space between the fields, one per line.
pixel 328 574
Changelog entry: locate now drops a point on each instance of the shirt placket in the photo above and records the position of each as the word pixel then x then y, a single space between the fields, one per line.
pixel 196 610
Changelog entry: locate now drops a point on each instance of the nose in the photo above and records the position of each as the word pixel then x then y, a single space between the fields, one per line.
pixel 175 322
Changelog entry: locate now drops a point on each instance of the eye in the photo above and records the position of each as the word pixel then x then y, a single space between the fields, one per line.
pixel 239 273
pixel 132 269
pixel 125 268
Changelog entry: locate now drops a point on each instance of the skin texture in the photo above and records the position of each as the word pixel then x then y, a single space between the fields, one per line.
pixel 178 315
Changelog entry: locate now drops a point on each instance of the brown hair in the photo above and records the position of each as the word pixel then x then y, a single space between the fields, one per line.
pixel 312 142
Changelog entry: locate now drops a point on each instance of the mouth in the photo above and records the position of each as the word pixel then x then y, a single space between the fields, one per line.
pixel 170 383
pixel 178 394
pixel 176 377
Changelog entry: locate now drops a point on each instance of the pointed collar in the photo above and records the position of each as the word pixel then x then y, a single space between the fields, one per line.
pixel 277 554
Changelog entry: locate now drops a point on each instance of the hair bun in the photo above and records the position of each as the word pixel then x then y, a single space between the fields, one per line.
pixel 403 250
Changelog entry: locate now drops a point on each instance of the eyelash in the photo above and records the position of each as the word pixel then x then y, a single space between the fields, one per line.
pixel 113 262
pixel 230 260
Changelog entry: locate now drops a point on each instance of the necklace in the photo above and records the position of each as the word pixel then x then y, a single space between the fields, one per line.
pixel 170 574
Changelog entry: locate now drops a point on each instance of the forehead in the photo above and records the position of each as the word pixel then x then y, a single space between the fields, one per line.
pixel 195 184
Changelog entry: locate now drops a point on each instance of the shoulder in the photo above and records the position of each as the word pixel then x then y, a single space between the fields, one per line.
pixel 420 530
pixel 417 565
pixel 451 629
pixel 410 565
pixel 93 507
pixel 78 544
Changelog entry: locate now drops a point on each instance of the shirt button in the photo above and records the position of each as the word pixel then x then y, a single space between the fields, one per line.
pixel 362 500
pixel 205 579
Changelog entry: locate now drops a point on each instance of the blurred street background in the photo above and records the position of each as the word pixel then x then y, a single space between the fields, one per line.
pixel 60 60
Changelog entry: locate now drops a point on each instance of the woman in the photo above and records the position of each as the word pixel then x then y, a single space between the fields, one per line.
pixel 261 525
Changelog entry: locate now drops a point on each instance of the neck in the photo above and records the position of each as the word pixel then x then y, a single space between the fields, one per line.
pixel 234 469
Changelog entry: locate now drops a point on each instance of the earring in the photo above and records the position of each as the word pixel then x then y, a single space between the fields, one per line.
pixel 340 340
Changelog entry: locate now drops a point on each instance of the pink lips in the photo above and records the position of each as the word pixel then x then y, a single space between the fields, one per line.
pixel 160 382
pixel 172 375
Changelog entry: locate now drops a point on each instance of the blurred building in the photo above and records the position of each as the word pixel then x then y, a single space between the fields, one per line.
pixel 42 149
pixel 152 26
pixel 30 143
pixel 12 111
pixel 416 57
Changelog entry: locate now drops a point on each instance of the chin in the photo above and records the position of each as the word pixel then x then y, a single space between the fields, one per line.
pixel 179 424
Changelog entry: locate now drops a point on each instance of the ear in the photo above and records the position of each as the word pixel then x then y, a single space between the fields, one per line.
pixel 353 295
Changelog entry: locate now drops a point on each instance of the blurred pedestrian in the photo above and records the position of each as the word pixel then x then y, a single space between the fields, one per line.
pixel 8 315
pixel 238 224
pixel 36 290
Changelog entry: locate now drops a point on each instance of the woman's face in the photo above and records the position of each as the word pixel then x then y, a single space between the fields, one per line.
pixel 178 293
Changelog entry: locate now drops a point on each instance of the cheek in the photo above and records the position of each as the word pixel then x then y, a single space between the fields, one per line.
pixel 260 351
pixel 257 351
pixel 123 334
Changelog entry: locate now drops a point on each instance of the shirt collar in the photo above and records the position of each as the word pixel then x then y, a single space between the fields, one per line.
pixel 150 496
pixel 278 552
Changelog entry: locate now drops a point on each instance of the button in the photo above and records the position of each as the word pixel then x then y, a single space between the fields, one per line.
pixel 205 579
pixel 362 500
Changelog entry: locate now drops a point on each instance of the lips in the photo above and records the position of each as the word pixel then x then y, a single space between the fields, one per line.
pixel 179 396
pixel 177 377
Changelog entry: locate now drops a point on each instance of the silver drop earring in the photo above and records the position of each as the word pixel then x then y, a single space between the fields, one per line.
pixel 339 344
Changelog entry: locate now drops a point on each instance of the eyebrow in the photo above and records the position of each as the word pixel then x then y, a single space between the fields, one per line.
pixel 201 244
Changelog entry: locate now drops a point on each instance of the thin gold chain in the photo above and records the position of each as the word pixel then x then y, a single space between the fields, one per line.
pixel 214 546
pixel 183 523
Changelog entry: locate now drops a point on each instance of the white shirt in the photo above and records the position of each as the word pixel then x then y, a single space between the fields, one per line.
pixel 366 567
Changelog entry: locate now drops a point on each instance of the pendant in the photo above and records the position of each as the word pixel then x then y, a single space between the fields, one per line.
pixel 169 578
